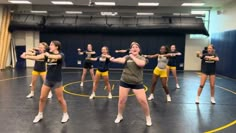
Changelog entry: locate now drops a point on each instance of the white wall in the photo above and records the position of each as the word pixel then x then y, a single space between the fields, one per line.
pixel 224 21
pixel 30 39
pixel 191 62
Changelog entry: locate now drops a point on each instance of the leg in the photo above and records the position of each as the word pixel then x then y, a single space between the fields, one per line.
pixel 212 85
pixel 33 86
pixel 43 99
pixel 83 76
pixel 203 81
pixel 123 95
pixel 163 82
pixel 176 79
pixel 154 82
pixel 107 83
pixel 62 101
pixel 43 76
pixel 141 97
pixel 92 74
pixel 97 78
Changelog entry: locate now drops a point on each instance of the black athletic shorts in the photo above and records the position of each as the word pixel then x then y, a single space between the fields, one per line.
pixel 209 72
pixel 131 86
pixel 88 65
pixel 53 84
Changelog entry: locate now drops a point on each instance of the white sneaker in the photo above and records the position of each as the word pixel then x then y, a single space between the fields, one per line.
pixel 118 119
pixel 92 95
pixel 197 100
pixel 177 86
pixel 81 84
pixel 109 96
pixel 50 95
pixel 38 118
pixel 30 95
pixel 151 97
pixel 213 101
pixel 148 121
pixel 168 98
pixel 65 118
pixel 30 84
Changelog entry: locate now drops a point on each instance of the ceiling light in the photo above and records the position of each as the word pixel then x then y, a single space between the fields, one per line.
pixel 38 11
pixel 145 13
pixel 62 2
pixel 181 14
pixel 19 1
pixel 105 3
pixel 148 4
pixel 199 12
pixel 73 12
pixel 193 4
pixel 109 13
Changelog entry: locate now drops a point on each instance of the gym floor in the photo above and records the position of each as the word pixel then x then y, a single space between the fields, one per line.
pixel 182 115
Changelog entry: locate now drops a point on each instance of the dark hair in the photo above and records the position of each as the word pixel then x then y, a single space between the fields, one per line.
pixel 57 44
pixel 106 48
pixel 167 49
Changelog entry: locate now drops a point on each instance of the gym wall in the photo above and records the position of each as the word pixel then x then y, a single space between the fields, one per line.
pixel 150 44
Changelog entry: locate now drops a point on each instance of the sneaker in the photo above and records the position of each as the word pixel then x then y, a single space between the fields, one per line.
pixel 148 121
pixel 109 96
pixel 213 100
pixel 92 96
pixel 197 100
pixel 177 86
pixel 38 118
pixel 30 84
pixel 65 118
pixel 81 84
pixel 118 119
pixel 50 95
pixel 168 98
pixel 30 95
pixel 151 97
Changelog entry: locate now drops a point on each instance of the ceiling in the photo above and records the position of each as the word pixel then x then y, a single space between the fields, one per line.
pixel 123 7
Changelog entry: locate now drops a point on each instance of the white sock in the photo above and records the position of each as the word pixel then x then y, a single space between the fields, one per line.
pixel 40 113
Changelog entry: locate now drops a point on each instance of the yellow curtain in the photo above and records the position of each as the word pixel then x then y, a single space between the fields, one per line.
pixel 5 37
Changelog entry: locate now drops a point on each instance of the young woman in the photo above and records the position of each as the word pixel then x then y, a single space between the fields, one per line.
pixel 172 63
pixel 87 63
pixel 132 78
pixel 160 71
pixel 102 70
pixel 39 68
pixel 53 81
pixel 208 69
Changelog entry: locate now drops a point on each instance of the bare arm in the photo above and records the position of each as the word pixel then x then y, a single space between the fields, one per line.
pixel 52 56
pixel 120 60
pixel 139 62
pixel 121 51
pixel 152 56
pixel 212 58
pixel 92 59
pixel 32 57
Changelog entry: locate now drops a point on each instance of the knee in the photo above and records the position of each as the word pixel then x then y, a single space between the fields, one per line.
pixel 142 101
pixel 122 101
pixel 201 86
pixel 60 99
pixel 42 99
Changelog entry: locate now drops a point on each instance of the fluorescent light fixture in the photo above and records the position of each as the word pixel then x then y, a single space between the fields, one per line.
pixel 74 12
pixel 193 4
pixel 62 2
pixel 181 14
pixel 145 13
pixel 109 13
pixel 199 12
pixel 148 4
pixel 19 1
pixel 105 3
pixel 33 11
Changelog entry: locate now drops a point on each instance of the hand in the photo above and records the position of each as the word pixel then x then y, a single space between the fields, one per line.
pixel 131 56
pixel 46 54
pixel 178 53
pixel 79 49
pixel 116 51
pixel 112 59
pixel 198 53
pixel 145 56
pixel 23 55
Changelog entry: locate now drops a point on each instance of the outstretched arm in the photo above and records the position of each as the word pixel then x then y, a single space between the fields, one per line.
pixel 139 62
pixel 53 56
pixel 120 60
pixel 152 56
pixel 33 57
pixel 121 51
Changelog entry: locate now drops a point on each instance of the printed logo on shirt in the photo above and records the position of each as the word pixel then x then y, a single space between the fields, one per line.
pixel 52 62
